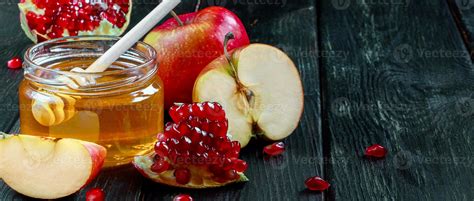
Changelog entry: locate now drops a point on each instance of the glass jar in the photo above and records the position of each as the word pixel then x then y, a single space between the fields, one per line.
pixel 120 109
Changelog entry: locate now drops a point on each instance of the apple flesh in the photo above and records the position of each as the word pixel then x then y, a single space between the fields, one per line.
pixel 183 51
pixel 261 92
pixel 48 168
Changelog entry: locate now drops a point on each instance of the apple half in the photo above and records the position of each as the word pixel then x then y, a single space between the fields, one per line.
pixel 48 168
pixel 260 89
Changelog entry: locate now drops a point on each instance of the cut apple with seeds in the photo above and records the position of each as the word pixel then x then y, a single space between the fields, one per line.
pixel 48 168
pixel 260 89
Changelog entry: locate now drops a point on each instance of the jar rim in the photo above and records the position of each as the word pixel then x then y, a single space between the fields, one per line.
pixel 28 54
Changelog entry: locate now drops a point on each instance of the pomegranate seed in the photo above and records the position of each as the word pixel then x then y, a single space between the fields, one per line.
pixel 160 166
pixel 316 184
pixel 183 176
pixel 376 151
pixel 161 137
pixel 184 144
pixel 183 128
pixel 239 165
pixel 231 175
pixel 274 149
pixel 183 197
pixel 161 148
pixel 195 135
pixel 227 164
pixel 14 63
pixel 95 194
pixel 174 113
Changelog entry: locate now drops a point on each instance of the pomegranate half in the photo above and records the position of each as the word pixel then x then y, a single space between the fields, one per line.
pixel 47 19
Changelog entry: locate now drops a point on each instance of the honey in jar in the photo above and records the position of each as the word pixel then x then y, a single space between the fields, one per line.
pixel 120 108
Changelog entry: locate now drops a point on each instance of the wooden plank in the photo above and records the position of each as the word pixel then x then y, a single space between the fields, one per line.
pixel 12 43
pixel 463 13
pixel 280 178
pixel 404 81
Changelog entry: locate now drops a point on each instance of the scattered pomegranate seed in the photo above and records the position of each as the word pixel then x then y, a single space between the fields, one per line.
pixel 316 184
pixel 183 197
pixel 274 149
pixel 95 194
pixel 14 63
pixel 376 151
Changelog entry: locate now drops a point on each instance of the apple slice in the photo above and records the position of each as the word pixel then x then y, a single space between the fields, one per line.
pixel 260 89
pixel 48 168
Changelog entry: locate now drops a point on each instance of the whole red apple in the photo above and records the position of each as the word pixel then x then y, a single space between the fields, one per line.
pixel 184 50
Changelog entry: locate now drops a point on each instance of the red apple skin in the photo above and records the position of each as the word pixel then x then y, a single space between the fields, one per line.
pixel 183 51
pixel 98 154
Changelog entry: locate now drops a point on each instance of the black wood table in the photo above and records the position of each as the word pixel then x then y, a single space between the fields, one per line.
pixel 394 72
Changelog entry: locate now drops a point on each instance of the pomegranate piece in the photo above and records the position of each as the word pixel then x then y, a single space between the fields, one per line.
pixel 183 197
pixel 196 145
pixel 43 19
pixel 14 63
pixel 95 194
pixel 274 149
pixel 376 151
pixel 316 184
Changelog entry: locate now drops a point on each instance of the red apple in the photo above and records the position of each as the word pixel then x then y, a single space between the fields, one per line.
pixel 184 50
pixel 48 168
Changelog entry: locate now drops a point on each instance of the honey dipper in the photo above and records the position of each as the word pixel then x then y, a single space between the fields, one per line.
pixel 52 109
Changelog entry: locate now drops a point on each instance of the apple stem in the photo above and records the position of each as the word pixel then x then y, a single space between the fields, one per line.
pixel 229 36
pixel 175 16
pixel 249 95
pixel 198 5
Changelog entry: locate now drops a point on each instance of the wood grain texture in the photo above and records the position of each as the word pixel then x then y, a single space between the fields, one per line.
pixel 282 178
pixel 406 82
pixel 463 13
pixel 12 43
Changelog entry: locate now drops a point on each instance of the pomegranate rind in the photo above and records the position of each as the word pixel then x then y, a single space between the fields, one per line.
pixel 143 164
pixel 105 27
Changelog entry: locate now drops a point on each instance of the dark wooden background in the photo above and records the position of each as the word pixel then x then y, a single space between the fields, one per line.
pixel 394 72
